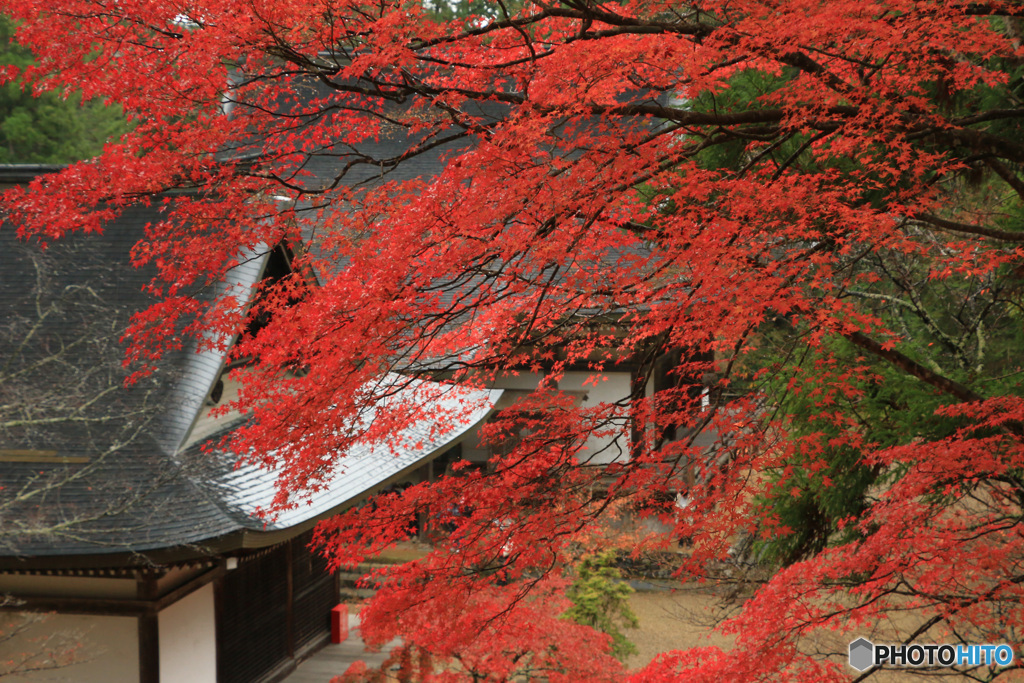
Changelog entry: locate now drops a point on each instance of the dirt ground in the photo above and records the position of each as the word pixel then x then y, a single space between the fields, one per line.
pixel 683 619
pixel 675 620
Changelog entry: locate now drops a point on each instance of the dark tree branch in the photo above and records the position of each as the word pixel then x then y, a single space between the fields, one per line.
pixel 912 367
pixel 968 229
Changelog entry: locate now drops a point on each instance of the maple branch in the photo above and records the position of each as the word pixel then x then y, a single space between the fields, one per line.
pixel 800 150
pixel 968 229
pixel 1007 175
pixel 1003 9
pixel 914 368
pixel 915 306
pixel 988 115
pixel 980 141
pixel 804 63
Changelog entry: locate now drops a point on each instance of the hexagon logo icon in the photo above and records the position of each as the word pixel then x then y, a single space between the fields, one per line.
pixel 862 654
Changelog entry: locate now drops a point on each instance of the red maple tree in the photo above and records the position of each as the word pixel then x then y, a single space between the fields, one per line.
pixel 815 204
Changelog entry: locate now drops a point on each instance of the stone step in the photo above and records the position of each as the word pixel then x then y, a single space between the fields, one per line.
pixel 347 594
pixel 348 580
pixel 361 570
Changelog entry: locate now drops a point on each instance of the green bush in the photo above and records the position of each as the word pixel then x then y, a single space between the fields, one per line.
pixel 600 600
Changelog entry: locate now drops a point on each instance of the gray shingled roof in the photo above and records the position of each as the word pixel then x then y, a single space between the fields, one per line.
pixel 89 468
pixel 85 465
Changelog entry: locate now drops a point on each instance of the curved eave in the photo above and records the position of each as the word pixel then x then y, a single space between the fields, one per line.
pixel 250 532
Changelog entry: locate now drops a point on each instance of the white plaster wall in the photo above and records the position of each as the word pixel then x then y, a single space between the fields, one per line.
pixel 101 649
pixel 514 387
pixel 524 381
pixel 188 639
pixel 611 387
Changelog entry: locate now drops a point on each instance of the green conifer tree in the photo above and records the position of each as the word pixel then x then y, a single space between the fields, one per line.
pixel 50 128
pixel 600 600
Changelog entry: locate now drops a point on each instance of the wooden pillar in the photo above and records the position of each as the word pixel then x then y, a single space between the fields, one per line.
pixel 149 634
pixel 636 430
pixel 220 628
pixel 289 549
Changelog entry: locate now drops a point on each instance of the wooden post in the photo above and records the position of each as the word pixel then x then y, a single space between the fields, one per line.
pixel 149 633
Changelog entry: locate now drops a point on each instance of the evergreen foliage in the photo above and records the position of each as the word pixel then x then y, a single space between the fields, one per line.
pixel 600 601
pixel 49 128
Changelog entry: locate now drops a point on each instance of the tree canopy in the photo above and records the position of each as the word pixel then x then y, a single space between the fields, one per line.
pixel 816 205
